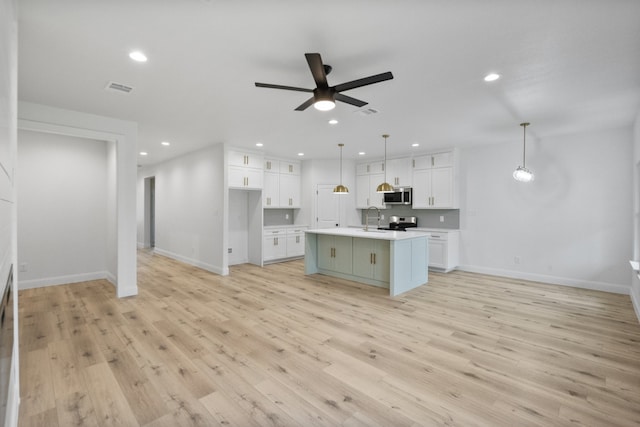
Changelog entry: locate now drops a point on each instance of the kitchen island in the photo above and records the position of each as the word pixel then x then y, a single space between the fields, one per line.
pixel 396 260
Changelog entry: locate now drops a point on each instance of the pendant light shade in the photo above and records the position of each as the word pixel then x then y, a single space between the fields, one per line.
pixel 340 189
pixel 385 187
pixel 523 174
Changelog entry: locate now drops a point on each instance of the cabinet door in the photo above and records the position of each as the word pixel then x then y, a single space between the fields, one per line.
pixel 271 165
pixel 421 189
pixel 289 167
pixel 343 256
pixel 362 191
pixel 271 191
pixel 254 178
pixel 442 159
pixel 437 253
pixel 423 162
pixel 295 245
pixel 362 169
pixel 244 178
pixel 289 191
pixel 376 199
pixel 399 172
pixel 371 259
pixel 442 188
pixel 274 247
pixel 362 257
pixel 248 160
pixel 325 252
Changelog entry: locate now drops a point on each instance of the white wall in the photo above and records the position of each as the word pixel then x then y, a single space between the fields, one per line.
pixel 635 281
pixel 189 208
pixel 62 211
pixel 8 131
pixel 124 135
pixel 572 225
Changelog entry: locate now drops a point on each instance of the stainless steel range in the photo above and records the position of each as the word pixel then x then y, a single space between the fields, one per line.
pixel 401 223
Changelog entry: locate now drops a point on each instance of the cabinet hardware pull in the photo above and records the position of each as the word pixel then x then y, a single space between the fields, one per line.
pixel 370 258
pixel 367 168
pixel 432 161
pixel 413 163
pixel 297 239
pixel 291 168
pixel 374 258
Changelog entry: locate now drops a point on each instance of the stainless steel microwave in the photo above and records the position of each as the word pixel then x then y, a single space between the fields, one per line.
pixel 400 196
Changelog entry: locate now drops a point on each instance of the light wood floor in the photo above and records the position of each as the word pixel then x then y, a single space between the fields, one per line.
pixel 269 346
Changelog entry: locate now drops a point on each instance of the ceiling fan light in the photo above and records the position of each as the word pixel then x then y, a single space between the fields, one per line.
pixel 324 105
pixel 523 174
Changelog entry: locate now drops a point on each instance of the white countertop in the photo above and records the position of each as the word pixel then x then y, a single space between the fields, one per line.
pixel 287 226
pixel 373 233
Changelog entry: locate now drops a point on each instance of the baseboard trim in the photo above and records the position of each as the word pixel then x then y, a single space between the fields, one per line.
pixel 63 280
pixel 552 280
pixel 191 261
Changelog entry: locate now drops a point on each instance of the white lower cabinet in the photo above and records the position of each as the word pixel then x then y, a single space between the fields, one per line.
pixel 371 259
pixel 275 245
pixel 283 243
pixel 295 243
pixel 444 248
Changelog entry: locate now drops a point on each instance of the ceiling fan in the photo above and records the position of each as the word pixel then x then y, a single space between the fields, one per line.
pixel 324 96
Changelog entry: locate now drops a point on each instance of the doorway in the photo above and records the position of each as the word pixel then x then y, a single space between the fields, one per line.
pixel 150 212
pixel 327 207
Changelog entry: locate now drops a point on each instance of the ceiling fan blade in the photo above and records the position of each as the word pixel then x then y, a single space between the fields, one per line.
pixel 349 100
pixel 364 81
pixel 270 86
pixel 309 102
pixel 317 69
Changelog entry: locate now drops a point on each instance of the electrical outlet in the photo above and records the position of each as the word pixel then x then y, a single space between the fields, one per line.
pixel 229 250
pixel 441 218
pixel 516 260
pixel 23 267
pixel 381 216
pixel 286 216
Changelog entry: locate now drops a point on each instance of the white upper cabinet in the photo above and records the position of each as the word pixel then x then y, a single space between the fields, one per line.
pixel 282 183
pixel 245 159
pixel 434 181
pixel 437 160
pixel 366 194
pixel 370 168
pixel 399 172
pixel 244 170
pixel 289 167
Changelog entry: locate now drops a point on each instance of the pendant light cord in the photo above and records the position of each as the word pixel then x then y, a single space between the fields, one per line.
pixel 524 143
pixel 385 136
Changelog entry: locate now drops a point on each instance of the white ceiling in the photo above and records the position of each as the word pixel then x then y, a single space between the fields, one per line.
pixel 567 66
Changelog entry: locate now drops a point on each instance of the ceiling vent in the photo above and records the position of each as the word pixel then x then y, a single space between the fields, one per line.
pixel 367 111
pixel 118 87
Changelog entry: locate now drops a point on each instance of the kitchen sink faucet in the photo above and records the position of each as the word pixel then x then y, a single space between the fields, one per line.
pixel 366 224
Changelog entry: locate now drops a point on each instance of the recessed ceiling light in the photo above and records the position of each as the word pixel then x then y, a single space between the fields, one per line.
pixel 491 77
pixel 300 154
pixel 362 153
pixel 259 144
pixel 143 153
pixel 333 122
pixel 138 56
pixel 165 143
pixel 415 144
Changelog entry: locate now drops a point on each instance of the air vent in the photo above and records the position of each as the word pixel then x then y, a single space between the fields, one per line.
pixel 367 111
pixel 118 87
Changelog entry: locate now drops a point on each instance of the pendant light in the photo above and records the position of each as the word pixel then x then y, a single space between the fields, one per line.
pixel 340 189
pixel 385 187
pixel 523 174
